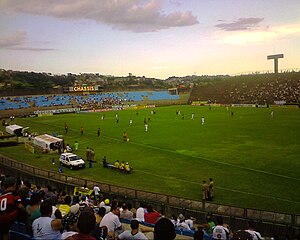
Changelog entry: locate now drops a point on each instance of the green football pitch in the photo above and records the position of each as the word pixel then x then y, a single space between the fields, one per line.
pixel 253 158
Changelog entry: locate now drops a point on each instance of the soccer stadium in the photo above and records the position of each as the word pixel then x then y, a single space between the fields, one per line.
pixel 149 119
pixel 243 137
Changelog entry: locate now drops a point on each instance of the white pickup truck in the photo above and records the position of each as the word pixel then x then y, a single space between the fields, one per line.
pixel 71 160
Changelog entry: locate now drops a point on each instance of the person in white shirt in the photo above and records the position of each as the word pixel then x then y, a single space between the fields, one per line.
pixel 133 233
pixel 140 213
pixel 181 223
pixel 255 235
pixel 111 220
pixel 220 232
pixel 45 227
pixel 96 193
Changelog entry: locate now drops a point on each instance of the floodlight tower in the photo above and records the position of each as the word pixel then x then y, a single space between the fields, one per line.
pixel 275 57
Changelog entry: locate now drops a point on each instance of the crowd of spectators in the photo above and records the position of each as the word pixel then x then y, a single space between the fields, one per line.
pixel 45 213
pixel 251 89
pixel 90 101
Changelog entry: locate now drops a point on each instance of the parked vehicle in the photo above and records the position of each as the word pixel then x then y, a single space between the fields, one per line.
pixel 71 160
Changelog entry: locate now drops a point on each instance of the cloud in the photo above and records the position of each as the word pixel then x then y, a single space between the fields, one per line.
pixel 262 36
pixel 15 39
pixel 31 49
pixel 129 15
pixel 241 24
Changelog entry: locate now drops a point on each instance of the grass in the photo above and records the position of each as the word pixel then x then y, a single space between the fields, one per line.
pixel 253 158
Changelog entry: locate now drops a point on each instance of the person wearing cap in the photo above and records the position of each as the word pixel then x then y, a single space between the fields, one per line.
pixel 69 222
pixel 9 212
pixel 134 233
pixel 181 222
pixel 127 167
pixel 106 204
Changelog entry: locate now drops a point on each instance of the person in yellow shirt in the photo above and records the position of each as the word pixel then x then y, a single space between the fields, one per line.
pixel 127 167
pixel 65 207
pixel 122 165
pixel 117 164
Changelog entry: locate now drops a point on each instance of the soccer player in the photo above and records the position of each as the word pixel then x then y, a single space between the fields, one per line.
pixel 125 136
pixel 76 146
pixel 202 121
pixel 130 121
pixel 81 130
pixel 98 132
pixel 146 127
pixel 192 116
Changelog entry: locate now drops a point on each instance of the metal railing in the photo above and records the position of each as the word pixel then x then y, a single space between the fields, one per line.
pixel 292 220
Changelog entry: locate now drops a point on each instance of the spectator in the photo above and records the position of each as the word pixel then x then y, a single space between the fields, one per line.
pixel 125 213
pixel 220 232
pixel 65 207
pixel 45 227
pixel 100 214
pixel 69 222
pixel 241 235
pixel 133 233
pixel 210 224
pixel 140 212
pixel 33 209
pixel 111 221
pixel 11 212
pixel 106 204
pixel 199 234
pixel 255 235
pixel 164 230
pixel 151 216
pixel 97 193
pixel 181 222
pixel 190 221
pixel 86 224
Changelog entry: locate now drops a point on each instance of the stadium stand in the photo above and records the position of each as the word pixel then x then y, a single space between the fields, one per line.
pixel 91 100
pixel 250 89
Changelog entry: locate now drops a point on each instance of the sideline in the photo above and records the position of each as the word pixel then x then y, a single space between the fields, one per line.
pixel 222 188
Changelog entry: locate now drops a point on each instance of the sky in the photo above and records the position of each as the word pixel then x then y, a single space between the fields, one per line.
pixel 152 38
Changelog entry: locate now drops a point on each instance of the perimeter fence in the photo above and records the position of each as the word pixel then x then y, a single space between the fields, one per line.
pixel 270 222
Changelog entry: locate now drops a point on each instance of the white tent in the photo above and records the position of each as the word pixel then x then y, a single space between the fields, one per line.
pixel 14 129
pixel 46 141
